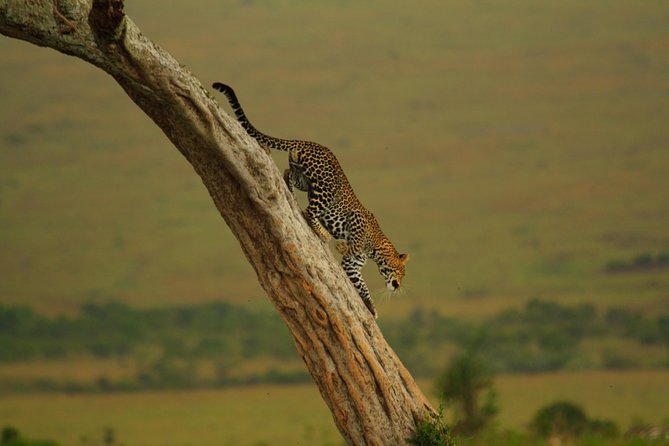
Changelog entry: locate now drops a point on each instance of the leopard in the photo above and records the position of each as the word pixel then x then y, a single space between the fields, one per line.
pixel 333 209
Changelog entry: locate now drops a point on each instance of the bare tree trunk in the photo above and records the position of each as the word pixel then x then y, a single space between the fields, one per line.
pixel 372 397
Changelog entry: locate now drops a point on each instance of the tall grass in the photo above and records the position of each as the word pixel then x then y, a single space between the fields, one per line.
pixel 512 147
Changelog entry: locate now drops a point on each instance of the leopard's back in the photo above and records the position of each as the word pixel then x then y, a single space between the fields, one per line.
pixel 333 207
pixel 326 177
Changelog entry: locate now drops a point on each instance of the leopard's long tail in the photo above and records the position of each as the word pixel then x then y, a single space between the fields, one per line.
pixel 263 140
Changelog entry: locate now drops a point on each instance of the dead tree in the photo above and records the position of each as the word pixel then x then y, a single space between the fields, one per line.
pixel 372 397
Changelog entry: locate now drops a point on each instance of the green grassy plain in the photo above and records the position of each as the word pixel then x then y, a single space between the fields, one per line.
pixel 295 414
pixel 281 415
pixel 515 148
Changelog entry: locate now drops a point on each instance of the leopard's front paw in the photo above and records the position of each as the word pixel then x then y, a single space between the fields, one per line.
pixel 371 308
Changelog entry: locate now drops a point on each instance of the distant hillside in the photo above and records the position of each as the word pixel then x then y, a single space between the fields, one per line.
pixel 516 150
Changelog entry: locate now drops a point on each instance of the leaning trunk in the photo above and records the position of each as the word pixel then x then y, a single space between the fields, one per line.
pixel 372 397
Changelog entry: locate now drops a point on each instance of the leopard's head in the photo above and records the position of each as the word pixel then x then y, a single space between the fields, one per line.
pixel 392 268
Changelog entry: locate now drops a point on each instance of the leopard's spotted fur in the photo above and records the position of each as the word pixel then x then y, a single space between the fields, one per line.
pixel 333 207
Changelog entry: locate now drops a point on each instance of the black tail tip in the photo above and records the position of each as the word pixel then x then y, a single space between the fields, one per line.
pixel 221 87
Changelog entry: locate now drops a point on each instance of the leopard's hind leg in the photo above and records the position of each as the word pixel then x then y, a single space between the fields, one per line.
pixel 312 218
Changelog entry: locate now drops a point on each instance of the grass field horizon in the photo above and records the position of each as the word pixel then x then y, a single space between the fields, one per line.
pixel 525 151
pixel 213 416
pixel 516 150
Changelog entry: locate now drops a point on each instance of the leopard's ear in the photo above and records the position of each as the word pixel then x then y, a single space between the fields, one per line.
pixel 404 258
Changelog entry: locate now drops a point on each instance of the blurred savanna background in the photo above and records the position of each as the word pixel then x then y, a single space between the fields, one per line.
pixel 519 150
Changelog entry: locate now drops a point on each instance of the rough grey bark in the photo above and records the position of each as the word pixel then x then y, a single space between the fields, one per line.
pixel 372 397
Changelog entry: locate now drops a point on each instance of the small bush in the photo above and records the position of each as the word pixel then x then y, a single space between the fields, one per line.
pixel 560 418
pixel 432 432
pixel 568 420
pixel 462 384
pixel 12 437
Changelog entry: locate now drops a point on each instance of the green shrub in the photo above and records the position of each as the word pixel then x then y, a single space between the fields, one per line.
pixel 560 418
pixel 568 420
pixel 432 431
pixel 461 384
pixel 12 437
